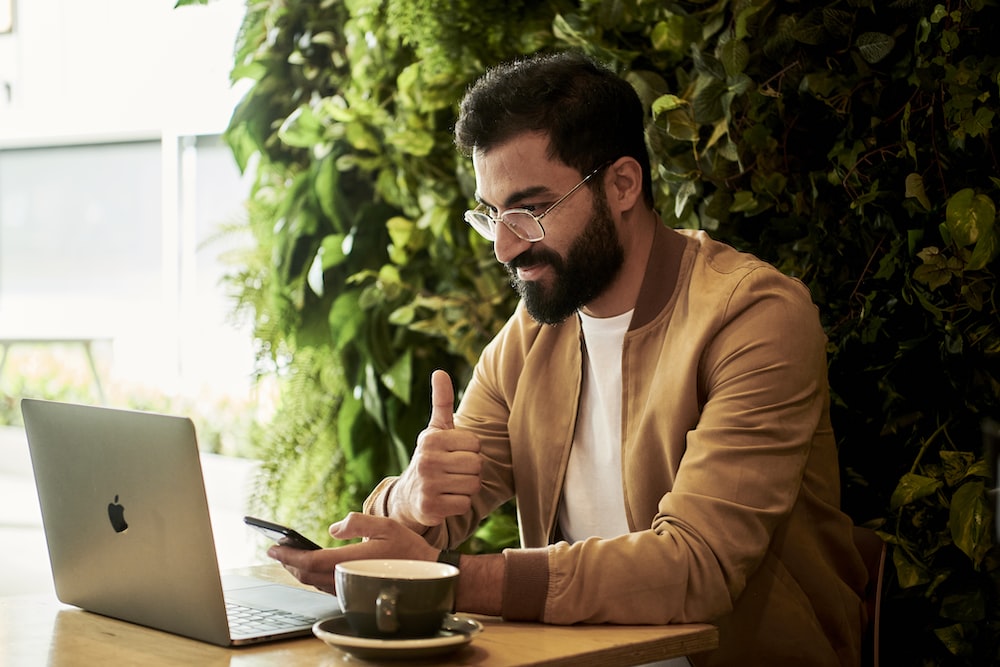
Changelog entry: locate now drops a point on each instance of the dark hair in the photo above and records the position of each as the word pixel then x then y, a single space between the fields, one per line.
pixel 591 115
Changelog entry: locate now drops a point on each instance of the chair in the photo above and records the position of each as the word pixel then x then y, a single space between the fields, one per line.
pixel 873 551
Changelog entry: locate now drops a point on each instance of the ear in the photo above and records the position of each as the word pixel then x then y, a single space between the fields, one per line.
pixel 624 184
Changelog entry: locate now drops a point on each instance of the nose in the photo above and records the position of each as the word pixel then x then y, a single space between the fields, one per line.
pixel 508 245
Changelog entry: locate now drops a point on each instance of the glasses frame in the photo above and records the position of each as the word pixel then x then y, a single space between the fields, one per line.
pixel 484 223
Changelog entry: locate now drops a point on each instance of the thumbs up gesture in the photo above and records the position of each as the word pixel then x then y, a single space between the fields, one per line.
pixel 445 471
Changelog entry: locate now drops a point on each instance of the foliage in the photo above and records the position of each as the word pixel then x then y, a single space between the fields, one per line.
pixel 61 372
pixel 852 143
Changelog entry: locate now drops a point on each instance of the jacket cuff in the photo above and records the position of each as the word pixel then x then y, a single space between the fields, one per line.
pixel 525 584
pixel 377 502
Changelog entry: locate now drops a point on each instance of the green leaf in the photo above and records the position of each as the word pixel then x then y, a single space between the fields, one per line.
pixel 347 417
pixel 908 573
pixel 970 521
pixel 912 487
pixel 734 55
pixel 707 104
pixel 672 35
pixel 915 189
pixel 345 318
pixel 970 606
pixel 399 378
pixel 400 230
pixel 665 103
pixel 301 129
pixel 332 250
pixel 969 216
pixel 371 398
pixel 954 639
pixel 874 46
pixel 956 466
pixel 680 125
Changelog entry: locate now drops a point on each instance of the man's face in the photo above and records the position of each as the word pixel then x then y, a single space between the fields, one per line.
pixel 581 253
pixel 588 267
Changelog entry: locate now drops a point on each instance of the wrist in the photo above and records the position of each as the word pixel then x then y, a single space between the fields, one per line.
pixel 450 557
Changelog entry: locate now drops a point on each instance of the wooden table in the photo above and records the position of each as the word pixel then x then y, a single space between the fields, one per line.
pixel 38 630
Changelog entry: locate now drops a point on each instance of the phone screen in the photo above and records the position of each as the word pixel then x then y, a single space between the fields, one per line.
pixel 283 535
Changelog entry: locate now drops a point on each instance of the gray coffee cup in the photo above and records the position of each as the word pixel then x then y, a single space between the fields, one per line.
pixel 394 598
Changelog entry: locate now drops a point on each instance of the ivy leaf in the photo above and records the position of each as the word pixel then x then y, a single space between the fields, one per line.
pixel 970 217
pixel 913 487
pixel 915 189
pixel 301 129
pixel 937 269
pixel 874 46
pixel 346 318
pixel 686 191
pixel 837 21
pixel 908 573
pixel 674 34
pixel 681 126
pixel 665 103
pixel 970 520
pixel 981 123
pixel 332 250
pixel 734 55
pixel 809 29
pixel 969 606
pixel 954 639
pixel 399 378
pixel 956 466
pixel 707 103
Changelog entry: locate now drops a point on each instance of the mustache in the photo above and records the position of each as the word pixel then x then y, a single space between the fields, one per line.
pixel 534 257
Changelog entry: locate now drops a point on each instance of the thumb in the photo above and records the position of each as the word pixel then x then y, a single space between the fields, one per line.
pixel 442 401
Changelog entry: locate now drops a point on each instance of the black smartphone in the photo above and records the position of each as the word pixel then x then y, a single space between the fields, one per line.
pixel 283 535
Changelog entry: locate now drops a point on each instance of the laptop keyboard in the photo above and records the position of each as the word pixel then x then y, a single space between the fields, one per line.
pixel 250 621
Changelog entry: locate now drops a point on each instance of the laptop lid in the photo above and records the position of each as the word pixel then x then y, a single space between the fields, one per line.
pixel 126 519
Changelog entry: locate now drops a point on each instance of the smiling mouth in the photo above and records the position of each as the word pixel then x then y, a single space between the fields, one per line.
pixel 530 272
pixel 528 266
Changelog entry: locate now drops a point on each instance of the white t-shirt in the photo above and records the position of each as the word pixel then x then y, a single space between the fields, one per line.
pixel 593 502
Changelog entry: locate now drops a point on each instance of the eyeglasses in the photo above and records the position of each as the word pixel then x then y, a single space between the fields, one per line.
pixel 525 224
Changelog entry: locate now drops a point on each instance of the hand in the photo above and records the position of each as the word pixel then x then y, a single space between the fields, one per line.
pixel 383 538
pixel 445 471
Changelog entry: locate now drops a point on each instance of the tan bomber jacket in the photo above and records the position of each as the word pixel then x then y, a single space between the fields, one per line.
pixel 729 466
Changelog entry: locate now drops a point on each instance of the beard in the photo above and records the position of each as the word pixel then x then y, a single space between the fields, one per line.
pixel 592 262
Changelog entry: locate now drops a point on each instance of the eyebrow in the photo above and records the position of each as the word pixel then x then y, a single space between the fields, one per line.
pixel 517 196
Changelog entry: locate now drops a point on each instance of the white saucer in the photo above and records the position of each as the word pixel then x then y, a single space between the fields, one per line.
pixel 456 631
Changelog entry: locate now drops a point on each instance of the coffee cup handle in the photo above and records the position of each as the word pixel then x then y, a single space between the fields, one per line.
pixel 385 611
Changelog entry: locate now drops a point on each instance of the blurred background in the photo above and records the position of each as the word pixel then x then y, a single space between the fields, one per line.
pixel 117 196
pixel 116 192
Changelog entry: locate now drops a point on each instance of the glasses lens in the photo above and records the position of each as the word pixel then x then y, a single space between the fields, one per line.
pixel 483 224
pixel 524 225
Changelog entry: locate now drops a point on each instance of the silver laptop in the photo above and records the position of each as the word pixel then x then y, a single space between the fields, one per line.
pixel 128 530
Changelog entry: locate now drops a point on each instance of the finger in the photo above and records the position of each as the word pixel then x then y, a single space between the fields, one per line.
pixel 442 401
pixel 356 525
pixel 287 555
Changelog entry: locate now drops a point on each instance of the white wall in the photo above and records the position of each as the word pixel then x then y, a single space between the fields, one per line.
pixel 74 68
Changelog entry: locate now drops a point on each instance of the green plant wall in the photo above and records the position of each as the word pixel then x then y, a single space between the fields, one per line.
pixel 851 142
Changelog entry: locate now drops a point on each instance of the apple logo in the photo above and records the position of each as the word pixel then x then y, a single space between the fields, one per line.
pixel 116 512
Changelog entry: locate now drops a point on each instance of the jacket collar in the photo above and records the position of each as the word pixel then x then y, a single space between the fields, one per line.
pixel 660 281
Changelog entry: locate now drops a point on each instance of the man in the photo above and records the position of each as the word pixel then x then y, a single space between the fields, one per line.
pixel 657 404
